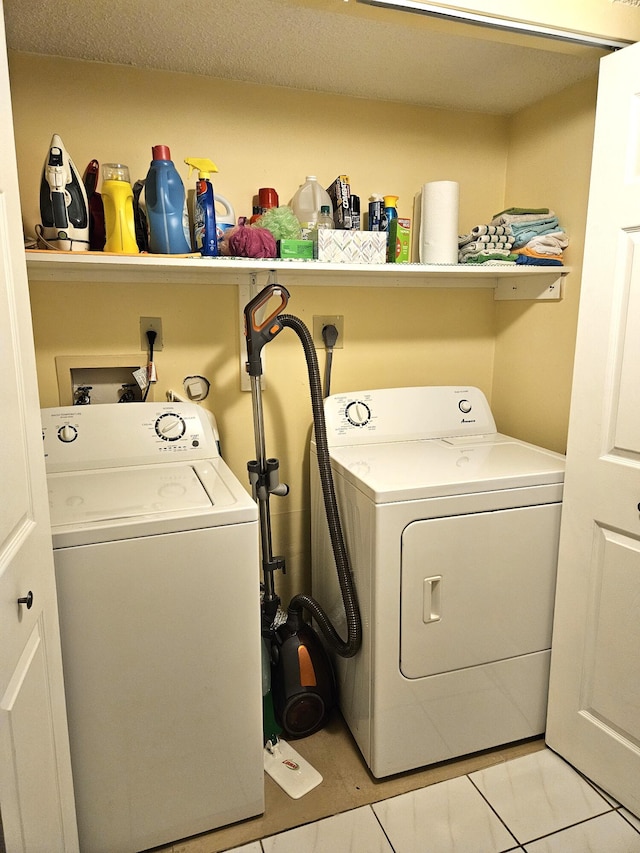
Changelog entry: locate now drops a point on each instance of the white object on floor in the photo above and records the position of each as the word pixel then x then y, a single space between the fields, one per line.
pixel 290 770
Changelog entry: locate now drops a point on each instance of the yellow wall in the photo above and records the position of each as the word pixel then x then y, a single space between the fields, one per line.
pixel 273 137
pixel 549 162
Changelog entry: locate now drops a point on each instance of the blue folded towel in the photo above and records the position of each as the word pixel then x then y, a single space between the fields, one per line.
pixel 525 232
pixel 538 262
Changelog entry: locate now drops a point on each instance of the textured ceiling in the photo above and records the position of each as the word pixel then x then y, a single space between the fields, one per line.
pixel 322 45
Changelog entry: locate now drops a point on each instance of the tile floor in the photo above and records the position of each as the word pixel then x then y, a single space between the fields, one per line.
pixel 507 798
pixel 535 803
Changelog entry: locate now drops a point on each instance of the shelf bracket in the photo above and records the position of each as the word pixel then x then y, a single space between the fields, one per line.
pixel 544 288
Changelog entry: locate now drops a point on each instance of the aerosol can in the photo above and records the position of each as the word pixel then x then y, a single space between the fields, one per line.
pixel 63 202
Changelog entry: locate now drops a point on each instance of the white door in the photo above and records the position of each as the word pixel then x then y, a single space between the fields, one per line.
pixel 594 706
pixel 36 795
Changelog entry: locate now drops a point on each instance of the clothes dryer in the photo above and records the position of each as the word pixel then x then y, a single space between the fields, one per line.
pixel 452 532
pixel 157 569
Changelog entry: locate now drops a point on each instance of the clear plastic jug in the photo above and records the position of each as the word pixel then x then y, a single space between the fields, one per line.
pixel 308 200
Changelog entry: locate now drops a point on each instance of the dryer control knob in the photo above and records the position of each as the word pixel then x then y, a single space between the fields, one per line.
pixel 358 413
pixel 465 406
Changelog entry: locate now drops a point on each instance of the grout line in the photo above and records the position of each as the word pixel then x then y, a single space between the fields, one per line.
pixel 517 840
pixel 381 826
pixel 569 826
pixel 624 818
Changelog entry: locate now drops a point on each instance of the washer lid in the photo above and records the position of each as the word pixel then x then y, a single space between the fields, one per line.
pixel 78 497
pixel 88 507
pixel 413 470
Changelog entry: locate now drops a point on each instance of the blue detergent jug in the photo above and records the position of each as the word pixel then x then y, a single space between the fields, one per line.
pixel 166 206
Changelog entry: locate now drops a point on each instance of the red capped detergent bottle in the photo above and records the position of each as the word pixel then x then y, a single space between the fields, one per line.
pixel 166 206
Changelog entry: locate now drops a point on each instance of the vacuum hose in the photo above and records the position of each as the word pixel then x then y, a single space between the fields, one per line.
pixel 349 647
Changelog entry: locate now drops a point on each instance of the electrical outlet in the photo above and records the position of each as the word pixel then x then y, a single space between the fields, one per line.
pixel 320 321
pixel 154 324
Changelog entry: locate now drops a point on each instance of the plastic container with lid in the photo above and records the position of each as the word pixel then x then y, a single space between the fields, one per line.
pixel 166 206
pixel 308 200
pixel 117 199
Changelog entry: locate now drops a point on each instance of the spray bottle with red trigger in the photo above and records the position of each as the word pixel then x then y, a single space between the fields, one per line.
pixel 205 239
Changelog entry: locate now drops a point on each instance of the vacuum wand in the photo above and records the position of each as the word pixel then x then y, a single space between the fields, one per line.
pixel 303 685
pixel 263 472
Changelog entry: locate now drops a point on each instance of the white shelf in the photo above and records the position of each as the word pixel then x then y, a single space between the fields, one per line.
pixel 509 282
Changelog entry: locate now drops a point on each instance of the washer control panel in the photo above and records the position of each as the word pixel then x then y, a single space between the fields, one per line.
pixel 116 434
pixel 407 414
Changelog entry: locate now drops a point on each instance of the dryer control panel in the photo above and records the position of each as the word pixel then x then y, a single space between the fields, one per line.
pixel 116 435
pixel 407 414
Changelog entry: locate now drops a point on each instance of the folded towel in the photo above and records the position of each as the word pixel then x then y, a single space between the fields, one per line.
pixel 525 250
pixel 488 246
pixel 521 218
pixel 524 233
pixel 483 257
pixel 549 223
pixel 551 244
pixel 491 229
pixel 544 262
pixel 521 211
pixel 491 261
pixel 485 233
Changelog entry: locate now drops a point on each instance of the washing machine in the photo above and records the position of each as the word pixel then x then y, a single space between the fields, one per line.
pixel 157 569
pixel 452 533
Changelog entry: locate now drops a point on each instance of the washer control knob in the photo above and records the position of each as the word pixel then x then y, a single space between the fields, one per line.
pixel 170 427
pixel 67 433
pixel 465 406
pixel 358 413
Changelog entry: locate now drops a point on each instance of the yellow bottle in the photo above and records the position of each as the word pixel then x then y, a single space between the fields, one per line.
pixel 117 199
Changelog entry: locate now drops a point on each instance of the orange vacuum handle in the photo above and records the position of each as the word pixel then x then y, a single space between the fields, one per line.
pixel 258 333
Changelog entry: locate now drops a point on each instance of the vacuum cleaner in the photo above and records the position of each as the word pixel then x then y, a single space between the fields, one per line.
pixel 63 202
pixel 303 687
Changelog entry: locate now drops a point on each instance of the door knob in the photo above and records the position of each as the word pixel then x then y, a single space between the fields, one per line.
pixel 28 600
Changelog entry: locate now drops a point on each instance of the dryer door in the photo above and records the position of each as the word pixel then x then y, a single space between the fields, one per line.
pixel 477 588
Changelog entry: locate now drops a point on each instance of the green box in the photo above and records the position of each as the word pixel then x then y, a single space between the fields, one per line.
pixel 295 249
pixel 398 251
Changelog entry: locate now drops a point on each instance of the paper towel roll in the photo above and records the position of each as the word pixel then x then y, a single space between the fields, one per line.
pixel 439 222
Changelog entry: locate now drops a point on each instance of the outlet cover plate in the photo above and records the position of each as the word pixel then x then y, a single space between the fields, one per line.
pixel 322 320
pixel 155 324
